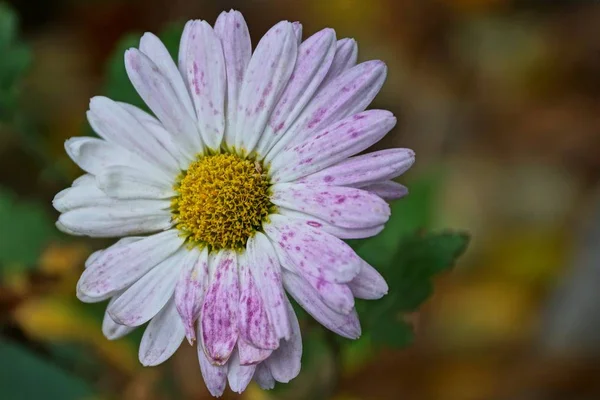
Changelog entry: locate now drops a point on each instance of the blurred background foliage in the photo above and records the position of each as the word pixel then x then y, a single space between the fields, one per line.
pixel 499 99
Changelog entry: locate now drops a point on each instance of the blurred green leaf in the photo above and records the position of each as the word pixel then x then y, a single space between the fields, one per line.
pixel 26 229
pixel 408 259
pixel 23 375
pixel 118 87
pixel 15 59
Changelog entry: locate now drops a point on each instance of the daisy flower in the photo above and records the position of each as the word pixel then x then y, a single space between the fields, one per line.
pixel 235 193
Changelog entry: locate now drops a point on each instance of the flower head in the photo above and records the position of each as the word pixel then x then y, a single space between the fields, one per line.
pixel 238 189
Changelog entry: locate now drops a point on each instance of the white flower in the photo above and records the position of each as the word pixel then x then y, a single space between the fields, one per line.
pixel 242 185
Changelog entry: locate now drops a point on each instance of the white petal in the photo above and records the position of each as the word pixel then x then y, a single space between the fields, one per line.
pixel 205 74
pixel 93 155
pixel 112 330
pixel 155 128
pixel 120 265
pixel 250 355
pixel 314 58
pixel 332 145
pixel 191 288
pixel 253 318
pixel 312 251
pixel 266 77
pixel 215 376
pixel 364 169
pixel 337 296
pixel 348 94
pixel 82 196
pixel 156 51
pixel 220 309
pixel 266 271
pixel 368 284
pixel 162 337
pixel 346 325
pixel 92 258
pixel 239 376
pixel 342 233
pixel 146 297
pixel 284 364
pixel 297 26
pixel 346 54
pixel 263 377
pixel 129 183
pixel 340 206
pixel 123 218
pixel 159 94
pixel 117 125
pixel 84 180
pixel 231 28
pixel 388 190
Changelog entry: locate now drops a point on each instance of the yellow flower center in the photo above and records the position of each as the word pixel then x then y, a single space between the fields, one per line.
pixel 222 201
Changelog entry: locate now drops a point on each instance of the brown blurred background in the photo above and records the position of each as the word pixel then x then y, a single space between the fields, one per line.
pixel 500 100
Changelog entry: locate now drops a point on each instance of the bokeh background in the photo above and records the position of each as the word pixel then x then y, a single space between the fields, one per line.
pixel 500 100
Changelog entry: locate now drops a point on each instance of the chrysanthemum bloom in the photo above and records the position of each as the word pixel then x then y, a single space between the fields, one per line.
pixel 243 183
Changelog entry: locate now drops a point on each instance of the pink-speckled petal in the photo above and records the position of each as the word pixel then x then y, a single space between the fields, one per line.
pixel 162 337
pixel 220 309
pixel 112 330
pixel 297 27
pixel 162 98
pixel 156 129
pixel 156 51
pixel 205 73
pixel 119 218
pixel 387 190
pixel 314 58
pixel 312 251
pixel 337 296
pixel 93 155
pixel 250 355
pixel 253 323
pixel 266 272
pixel 231 28
pixel 263 377
pixel 346 325
pixel 346 54
pixel 238 375
pixel 342 233
pixel 284 363
pixel 215 376
pixel 365 169
pixel 120 265
pixel 117 125
pixel 267 75
pixel 129 183
pixel 191 288
pixel 338 205
pixel 332 145
pixel 146 297
pixel 368 284
pixel 346 95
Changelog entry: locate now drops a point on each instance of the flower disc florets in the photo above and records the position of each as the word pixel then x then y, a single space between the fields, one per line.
pixel 223 199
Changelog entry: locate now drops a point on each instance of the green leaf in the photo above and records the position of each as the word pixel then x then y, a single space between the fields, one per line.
pixel 14 62
pixel 416 261
pixel 409 214
pixel 24 375
pixel 118 87
pixel 27 228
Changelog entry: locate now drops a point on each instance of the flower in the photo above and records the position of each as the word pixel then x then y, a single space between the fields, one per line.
pixel 243 183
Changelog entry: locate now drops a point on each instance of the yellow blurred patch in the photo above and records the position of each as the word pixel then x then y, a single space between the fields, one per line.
pixel 55 320
pixel 62 258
